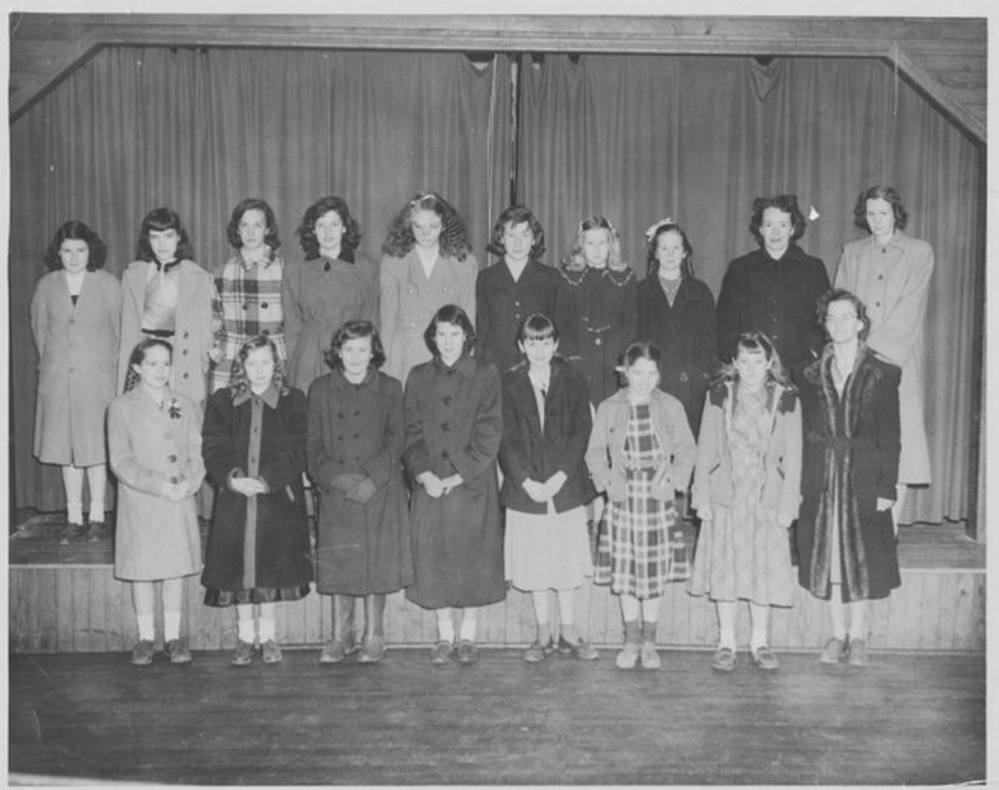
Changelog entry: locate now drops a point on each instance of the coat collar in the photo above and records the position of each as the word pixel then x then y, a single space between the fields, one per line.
pixel 465 366
pixel 372 380
pixel 269 396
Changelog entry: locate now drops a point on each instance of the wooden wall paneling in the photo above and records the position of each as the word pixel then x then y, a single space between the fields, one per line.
pixel 89 590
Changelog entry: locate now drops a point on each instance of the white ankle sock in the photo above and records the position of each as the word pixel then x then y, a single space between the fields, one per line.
pixel 74 512
pixel 97 510
pixel 171 625
pixel 267 629
pixel 146 630
pixel 247 630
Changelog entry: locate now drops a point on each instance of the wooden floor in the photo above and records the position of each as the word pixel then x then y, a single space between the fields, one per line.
pixel 909 718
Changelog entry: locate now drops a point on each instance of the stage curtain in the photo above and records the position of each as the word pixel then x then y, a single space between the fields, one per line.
pixel 197 130
pixel 639 138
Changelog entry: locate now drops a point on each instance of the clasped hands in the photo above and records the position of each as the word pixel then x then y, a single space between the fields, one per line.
pixel 357 487
pixel 437 487
pixel 546 491
pixel 177 490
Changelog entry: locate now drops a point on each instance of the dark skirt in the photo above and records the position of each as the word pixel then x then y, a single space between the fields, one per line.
pixel 222 598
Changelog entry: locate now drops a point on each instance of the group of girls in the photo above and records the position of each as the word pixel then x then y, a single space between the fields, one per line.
pixel 473 375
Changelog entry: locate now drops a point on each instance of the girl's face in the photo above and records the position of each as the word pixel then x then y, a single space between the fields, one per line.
pixel 329 233
pixel 164 244
pixel 880 218
pixel 670 254
pixel 450 342
pixel 842 323
pixel 253 229
pixel 643 377
pixel 427 226
pixel 539 350
pixel 74 255
pixel 154 370
pixel 259 366
pixel 776 230
pixel 518 240
pixel 752 368
pixel 596 247
pixel 356 354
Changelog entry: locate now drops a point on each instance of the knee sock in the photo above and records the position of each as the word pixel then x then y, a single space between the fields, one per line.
pixel 468 623
pixel 649 631
pixel 445 630
pixel 267 630
pixel 74 512
pixel 146 631
pixel 171 625
pixel 97 510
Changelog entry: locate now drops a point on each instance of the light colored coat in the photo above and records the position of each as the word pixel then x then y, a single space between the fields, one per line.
pixel 713 481
pixel 605 454
pixel 409 300
pixel 893 284
pixel 193 339
pixel 77 346
pixel 155 537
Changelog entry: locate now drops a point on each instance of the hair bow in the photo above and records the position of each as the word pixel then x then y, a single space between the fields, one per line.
pixel 650 234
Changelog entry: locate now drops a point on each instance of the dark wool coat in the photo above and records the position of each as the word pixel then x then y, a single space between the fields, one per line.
pixel 760 294
pixel 501 303
pixel 454 422
pixel 363 548
pixel 527 452
pixel 281 558
pixel 685 334
pixel 596 314
pixel 851 450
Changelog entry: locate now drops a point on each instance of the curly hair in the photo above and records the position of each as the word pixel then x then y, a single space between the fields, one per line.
pixel 239 382
pixel 160 219
pixel 786 203
pixel 449 314
pixel 576 258
pixel 651 258
pixel 77 231
pixel 307 230
pixel 888 194
pixel 354 330
pixel 753 342
pixel 249 204
pixel 513 216
pixel 453 239
pixel 842 295
pixel 139 354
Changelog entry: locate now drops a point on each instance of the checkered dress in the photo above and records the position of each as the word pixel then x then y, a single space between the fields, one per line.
pixel 643 549
pixel 246 301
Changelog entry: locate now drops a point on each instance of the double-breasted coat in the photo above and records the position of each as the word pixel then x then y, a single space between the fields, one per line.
pixel 155 538
pixel 850 458
pixel 77 348
pixel 319 296
pixel 596 314
pixel 893 281
pixel 685 334
pixel 409 300
pixel 363 548
pixel 259 543
pixel 776 297
pixel 502 303
pixel 527 451
pixel 454 424
pixel 193 339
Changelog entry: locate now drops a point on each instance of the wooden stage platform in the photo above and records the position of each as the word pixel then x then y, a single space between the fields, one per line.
pixel 65 599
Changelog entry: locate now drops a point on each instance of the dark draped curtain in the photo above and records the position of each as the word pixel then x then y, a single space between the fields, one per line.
pixel 639 138
pixel 133 129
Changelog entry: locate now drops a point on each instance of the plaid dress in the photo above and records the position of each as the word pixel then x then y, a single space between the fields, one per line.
pixel 643 549
pixel 246 301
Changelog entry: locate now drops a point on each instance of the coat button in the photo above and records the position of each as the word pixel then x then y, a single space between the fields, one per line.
pixel 597 342
pixel 172 458
pixel 183 353
pixel 445 454
pixel 187 375
pixel 263 305
pixel 445 427
pixel 246 306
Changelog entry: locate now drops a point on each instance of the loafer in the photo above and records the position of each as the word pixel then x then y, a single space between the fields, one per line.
pixel 242 655
pixel 857 653
pixel 441 652
pixel 538 652
pixel 142 653
pixel 468 653
pixel 580 649
pixel 723 660
pixel 835 650
pixel 271 652
pixel 98 531
pixel 628 657
pixel 372 651
pixel 336 650
pixel 649 656
pixel 73 533
pixel 176 650
pixel 765 659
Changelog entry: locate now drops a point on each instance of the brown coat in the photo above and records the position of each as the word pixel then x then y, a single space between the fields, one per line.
pixel 77 346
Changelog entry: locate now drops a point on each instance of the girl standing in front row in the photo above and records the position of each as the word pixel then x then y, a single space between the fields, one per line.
pixel 154 437
pixel 641 452
pixel 258 547
pixel 546 425
pixel 746 492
